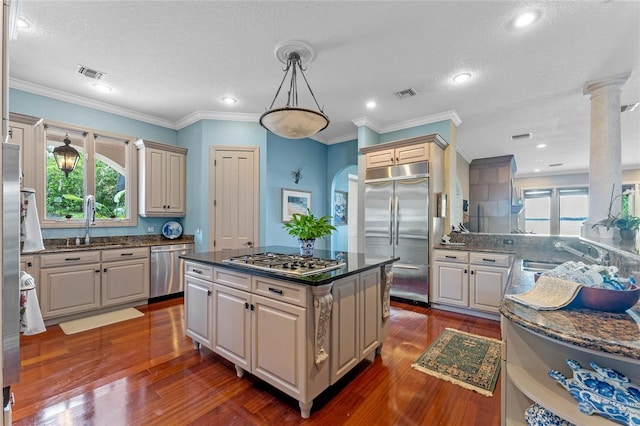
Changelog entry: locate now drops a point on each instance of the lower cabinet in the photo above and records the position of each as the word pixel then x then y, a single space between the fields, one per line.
pixel 198 308
pixel 76 282
pixel 284 332
pixel 474 280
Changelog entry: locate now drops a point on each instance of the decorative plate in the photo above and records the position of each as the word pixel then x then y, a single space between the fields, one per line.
pixel 537 415
pixel 604 392
pixel 172 230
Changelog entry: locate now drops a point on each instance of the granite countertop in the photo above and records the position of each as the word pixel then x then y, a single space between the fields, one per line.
pixel 59 245
pixel 474 247
pixel 354 263
pixel 613 333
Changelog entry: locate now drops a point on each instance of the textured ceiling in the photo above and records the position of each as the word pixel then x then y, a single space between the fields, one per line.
pixel 170 63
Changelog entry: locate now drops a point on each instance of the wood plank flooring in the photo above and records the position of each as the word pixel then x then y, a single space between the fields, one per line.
pixel 145 371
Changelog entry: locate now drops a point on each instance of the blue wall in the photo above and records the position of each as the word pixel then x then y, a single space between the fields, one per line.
pixel 285 156
pixel 51 109
pixel 278 157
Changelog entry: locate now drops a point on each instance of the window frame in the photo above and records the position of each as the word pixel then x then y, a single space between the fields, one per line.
pixel 554 194
pixel 131 176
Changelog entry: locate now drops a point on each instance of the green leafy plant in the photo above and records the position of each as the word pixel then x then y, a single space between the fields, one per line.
pixel 613 219
pixel 632 223
pixel 309 227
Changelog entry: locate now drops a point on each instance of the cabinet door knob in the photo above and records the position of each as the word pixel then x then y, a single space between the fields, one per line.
pixel 29 264
pixel 104 270
pixel 472 272
pixel 208 292
pixel 465 271
pixel 252 307
pixel 97 270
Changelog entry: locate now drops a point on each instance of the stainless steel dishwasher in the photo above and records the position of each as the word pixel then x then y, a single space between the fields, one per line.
pixel 166 273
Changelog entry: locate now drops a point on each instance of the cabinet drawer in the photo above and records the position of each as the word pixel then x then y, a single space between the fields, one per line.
pixel 125 254
pixel 290 293
pixel 69 258
pixel 232 278
pixel 490 259
pixel 199 270
pixel 451 256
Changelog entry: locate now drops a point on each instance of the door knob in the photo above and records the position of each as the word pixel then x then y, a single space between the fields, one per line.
pixel 248 244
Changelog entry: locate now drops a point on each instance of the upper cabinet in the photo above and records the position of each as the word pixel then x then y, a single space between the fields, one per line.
pixel 21 133
pixel 401 152
pixel 162 179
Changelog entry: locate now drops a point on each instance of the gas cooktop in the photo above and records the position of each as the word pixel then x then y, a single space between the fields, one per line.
pixel 290 264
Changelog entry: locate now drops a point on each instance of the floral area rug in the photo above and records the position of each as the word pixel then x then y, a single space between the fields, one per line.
pixel 464 359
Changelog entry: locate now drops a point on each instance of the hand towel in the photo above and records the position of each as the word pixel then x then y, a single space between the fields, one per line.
pixel 30 226
pixel 30 316
pixel 548 293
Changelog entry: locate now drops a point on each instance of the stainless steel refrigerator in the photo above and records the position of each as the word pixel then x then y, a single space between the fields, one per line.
pixel 396 223
pixel 10 267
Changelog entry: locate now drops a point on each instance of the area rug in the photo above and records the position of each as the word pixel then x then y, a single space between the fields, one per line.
pixel 464 359
pixel 88 323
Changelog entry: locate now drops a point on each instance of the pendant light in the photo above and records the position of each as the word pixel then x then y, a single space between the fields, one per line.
pixel 292 121
pixel 66 156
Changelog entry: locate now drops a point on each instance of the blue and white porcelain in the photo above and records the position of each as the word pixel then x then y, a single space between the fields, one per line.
pixel 604 392
pixel 172 230
pixel 536 415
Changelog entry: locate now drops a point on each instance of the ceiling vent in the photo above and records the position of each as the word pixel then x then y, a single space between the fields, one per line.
pixel 629 108
pixel 88 72
pixel 406 93
pixel 521 137
pixel 555 164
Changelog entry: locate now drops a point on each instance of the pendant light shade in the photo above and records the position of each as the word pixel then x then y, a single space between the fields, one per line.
pixel 291 121
pixel 66 156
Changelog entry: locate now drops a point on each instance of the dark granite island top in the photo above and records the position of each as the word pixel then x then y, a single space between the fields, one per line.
pixel 354 263
pixel 614 333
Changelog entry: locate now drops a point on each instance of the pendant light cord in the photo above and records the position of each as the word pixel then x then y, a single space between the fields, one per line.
pixel 293 61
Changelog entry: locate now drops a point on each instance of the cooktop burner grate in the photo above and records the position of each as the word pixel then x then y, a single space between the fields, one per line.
pixel 286 263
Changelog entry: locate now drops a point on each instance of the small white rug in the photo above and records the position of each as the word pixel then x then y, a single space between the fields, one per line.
pixel 88 323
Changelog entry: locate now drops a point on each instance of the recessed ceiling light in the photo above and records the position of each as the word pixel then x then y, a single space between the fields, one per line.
pixel 22 24
pixel 229 100
pixel 462 77
pixel 541 145
pixel 536 170
pixel 371 105
pixel 525 19
pixel 102 87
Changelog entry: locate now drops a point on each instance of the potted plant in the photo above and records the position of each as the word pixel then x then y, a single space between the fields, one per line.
pixel 611 221
pixel 628 227
pixel 307 227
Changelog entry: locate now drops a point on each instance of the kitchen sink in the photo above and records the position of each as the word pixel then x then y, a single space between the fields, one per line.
pixel 538 265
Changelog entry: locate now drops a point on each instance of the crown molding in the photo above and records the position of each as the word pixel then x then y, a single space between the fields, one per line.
pixel 212 115
pixel 89 103
pixel 370 123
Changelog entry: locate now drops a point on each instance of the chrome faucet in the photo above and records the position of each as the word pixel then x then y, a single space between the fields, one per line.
pixel 603 255
pixel 89 216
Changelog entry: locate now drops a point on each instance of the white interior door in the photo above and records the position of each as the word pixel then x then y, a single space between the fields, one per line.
pixel 234 201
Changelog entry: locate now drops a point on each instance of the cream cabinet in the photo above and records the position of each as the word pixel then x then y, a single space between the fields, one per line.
pixel 474 280
pixel 283 332
pixel 69 283
pixel 82 281
pixel 125 275
pixel 21 132
pixel 162 179
pixel 396 156
pixel 355 321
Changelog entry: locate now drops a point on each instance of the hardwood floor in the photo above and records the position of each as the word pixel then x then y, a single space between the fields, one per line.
pixel 146 372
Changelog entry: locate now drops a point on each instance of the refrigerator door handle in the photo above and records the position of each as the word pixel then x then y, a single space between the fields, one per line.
pixel 404 266
pixel 390 221
pixel 397 221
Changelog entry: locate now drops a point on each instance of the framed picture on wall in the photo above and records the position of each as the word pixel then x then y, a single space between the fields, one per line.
pixel 340 208
pixel 294 202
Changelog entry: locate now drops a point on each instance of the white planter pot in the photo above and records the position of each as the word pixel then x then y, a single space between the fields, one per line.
pixel 306 247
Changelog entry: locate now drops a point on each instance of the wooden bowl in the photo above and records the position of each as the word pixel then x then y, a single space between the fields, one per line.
pixel 609 300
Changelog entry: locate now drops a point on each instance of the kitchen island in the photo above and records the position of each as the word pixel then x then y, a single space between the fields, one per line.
pixel 538 341
pixel 299 333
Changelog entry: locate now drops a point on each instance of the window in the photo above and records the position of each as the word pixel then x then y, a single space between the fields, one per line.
pixel 537 209
pixel 555 211
pixel 105 169
pixel 574 209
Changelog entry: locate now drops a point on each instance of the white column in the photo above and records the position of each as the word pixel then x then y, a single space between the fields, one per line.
pixel 605 158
